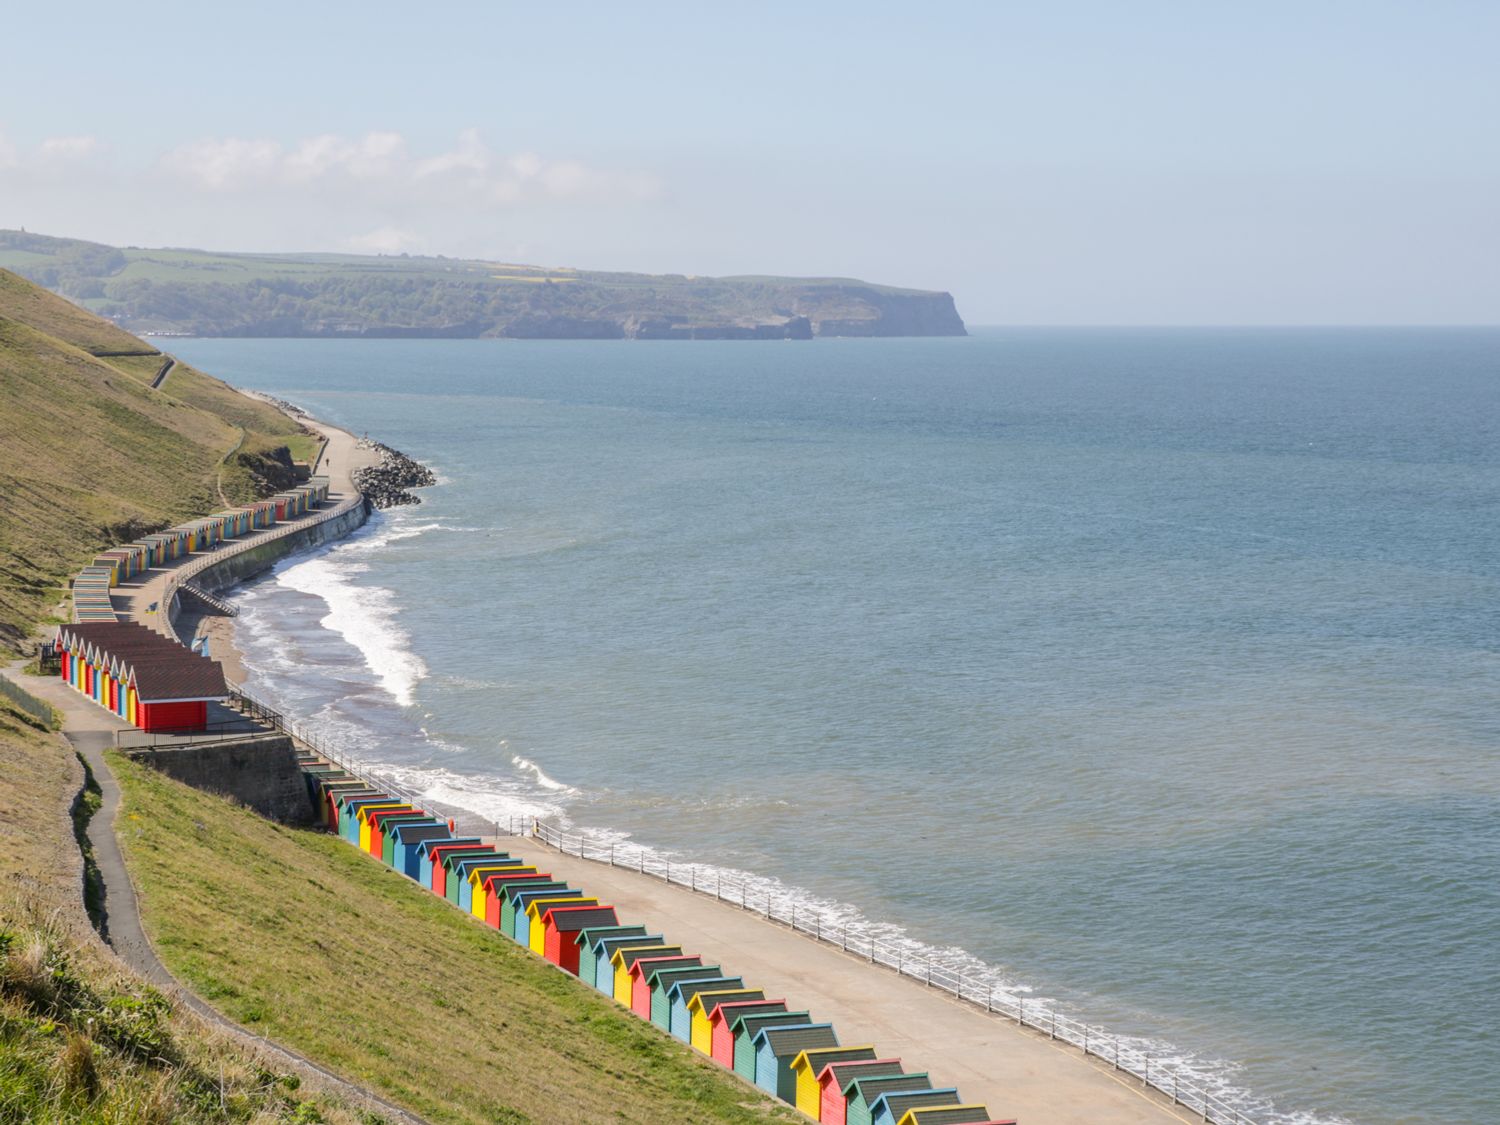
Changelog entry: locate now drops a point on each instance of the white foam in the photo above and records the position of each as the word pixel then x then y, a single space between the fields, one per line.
pixel 548 783
pixel 365 616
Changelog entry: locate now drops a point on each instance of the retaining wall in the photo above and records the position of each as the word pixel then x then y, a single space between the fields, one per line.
pixel 260 771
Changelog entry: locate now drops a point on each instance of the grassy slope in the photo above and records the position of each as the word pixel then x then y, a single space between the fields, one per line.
pixel 54 1065
pixel 302 938
pixel 33 305
pixel 90 455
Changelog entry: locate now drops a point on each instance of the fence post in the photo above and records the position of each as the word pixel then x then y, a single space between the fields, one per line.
pixel 1021 1012
pixel 989 997
pixel 1054 1025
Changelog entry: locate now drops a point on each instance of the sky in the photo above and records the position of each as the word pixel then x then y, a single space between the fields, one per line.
pixel 1067 162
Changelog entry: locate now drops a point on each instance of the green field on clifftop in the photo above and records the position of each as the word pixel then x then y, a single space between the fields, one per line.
pixel 206 293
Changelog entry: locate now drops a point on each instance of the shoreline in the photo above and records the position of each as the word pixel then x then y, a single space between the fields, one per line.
pixel 1017 1072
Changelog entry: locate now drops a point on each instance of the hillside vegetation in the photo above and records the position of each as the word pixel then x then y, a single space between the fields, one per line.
pixel 200 293
pixel 81 1038
pixel 306 940
pixel 91 455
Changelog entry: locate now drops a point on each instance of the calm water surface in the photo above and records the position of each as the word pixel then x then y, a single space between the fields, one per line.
pixel 1157 670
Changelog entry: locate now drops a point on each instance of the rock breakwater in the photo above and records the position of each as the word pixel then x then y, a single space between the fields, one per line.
pixel 388 484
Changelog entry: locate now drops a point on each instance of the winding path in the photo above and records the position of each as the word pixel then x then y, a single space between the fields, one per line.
pixel 91 730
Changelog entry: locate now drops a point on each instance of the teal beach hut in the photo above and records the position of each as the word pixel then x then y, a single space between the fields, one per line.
pixel 746 1027
pixel 861 1094
pixel 585 941
pixel 655 975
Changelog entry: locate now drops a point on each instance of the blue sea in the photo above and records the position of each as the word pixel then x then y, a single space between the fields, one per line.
pixel 1156 672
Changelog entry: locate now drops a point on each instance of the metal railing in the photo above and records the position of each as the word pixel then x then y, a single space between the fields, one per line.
pixel 225 731
pixel 273 718
pixel 1119 1054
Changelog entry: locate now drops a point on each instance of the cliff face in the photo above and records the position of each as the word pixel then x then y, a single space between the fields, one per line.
pixel 876 313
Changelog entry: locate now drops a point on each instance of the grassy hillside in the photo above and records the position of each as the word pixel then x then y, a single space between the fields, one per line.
pixel 90 455
pixel 300 937
pixel 81 1038
pixel 213 294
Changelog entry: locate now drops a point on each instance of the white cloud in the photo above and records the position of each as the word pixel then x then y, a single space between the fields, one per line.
pixel 380 166
pixel 386 240
pixel 68 148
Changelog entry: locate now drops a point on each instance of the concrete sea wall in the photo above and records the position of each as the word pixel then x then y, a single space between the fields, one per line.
pixel 233 568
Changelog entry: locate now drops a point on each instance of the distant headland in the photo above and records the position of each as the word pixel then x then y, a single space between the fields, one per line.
pixel 201 293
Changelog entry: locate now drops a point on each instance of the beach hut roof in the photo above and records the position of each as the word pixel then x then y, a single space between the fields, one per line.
pixel 709 999
pixel 684 989
pixel 514 893
pixel 751 1022
pixel 897 1102
pixel 790 1040
pixel 816 1058
pixel 476 873
pixel 655 971
pixel 606 945
pixel 950 1115
pixel 524 874
pixel 532 902
pixel 426 847
pixel 872 1086
pixel 455 860
pixel 162 670
pixel 591 934
pixel 727 1010
pixel 570 919
pixel 840 1074
pixel 627 956
pixel 409 832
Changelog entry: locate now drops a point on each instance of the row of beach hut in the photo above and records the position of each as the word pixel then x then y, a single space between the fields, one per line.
pixel 109 665
pixel 785 1052
pixel 121 563
pixel 143 677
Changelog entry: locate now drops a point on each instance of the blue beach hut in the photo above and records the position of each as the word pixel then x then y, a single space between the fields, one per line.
pixel 776 1047
pixel 680 995
pixel 407 837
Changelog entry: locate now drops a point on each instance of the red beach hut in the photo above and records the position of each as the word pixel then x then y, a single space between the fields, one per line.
pixel 720 1019
pixel 561 923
